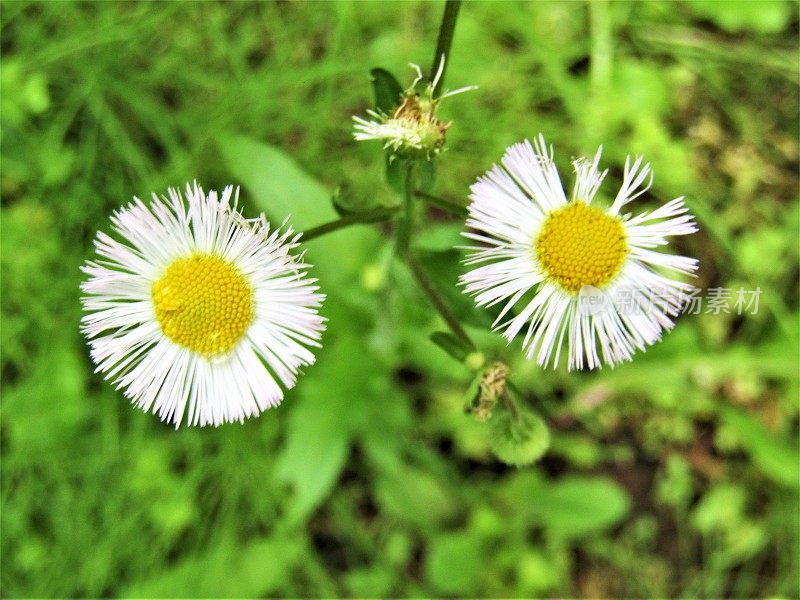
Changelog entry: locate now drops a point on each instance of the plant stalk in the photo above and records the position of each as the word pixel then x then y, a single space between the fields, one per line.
pixel 444 42
pixel 407 220
pixel 438 302
pixel 459 210
pixel 511 405
pixel 383 213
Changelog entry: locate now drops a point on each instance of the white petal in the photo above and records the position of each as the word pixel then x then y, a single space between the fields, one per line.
pixel 157 374
pixel 534 171
pixel 508 208
pixel 588 178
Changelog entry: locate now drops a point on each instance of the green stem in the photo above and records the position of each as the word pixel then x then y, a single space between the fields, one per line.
pixel 444 42
pixel 438 302
pixel 602 45
pixel 510 405
pixel 407 221
pixel 543 409
pixel 384 213
pixel 454 208
pixel 600 67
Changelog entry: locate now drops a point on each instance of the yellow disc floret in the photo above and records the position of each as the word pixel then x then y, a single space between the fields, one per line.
pixel 203 303
pixel 581 245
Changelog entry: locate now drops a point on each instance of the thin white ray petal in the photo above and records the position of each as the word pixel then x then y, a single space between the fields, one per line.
pixel 509 206
pixel 157 374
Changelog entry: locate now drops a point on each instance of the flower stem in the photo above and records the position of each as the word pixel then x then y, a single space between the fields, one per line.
pixel 454 208
pixel 437 301
pixel 444 41
pixel 543 409
pixel 383 213
pixel 407 220
pixel 511 405
pixel 600 68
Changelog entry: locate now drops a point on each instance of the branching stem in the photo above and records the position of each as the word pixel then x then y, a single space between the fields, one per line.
pixel 383 213
pixel 449 206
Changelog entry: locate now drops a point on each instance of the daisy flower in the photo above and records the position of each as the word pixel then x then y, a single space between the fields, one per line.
pixel 412 128
pixel 578 274
pixel 198 313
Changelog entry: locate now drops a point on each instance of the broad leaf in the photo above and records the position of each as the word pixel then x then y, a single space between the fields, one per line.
pixel 576 506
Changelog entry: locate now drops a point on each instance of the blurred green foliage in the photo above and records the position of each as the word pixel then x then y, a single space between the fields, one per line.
pixel 676 475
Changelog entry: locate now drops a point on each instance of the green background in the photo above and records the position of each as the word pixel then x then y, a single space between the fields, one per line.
pixel 676 475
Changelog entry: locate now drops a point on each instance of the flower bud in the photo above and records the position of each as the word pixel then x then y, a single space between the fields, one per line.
pixel 411 129
pixel 518 438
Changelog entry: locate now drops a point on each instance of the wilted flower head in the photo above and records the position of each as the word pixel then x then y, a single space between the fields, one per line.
pixel 197 312
pixel 586 275
pixel 412 128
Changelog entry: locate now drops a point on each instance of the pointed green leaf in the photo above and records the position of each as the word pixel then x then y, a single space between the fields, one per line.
pixel 387 90
pixel 451 344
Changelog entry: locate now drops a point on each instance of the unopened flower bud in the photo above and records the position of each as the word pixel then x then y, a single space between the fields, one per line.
pixel 412 129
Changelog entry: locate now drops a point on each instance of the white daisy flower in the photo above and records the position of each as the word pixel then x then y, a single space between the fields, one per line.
pixel 198 313
pixel 580 275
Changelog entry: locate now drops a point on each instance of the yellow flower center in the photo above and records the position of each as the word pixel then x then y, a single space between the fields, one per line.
pixel 581 245
pixel 203 303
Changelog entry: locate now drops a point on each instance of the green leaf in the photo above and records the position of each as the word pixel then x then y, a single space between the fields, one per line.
pixel 258 568
pixel 720 509
pixel 415 496
pixel 371 582
pixel 345 203
pixel 340 203
pixel 734 16
pixel 575 506
pixel 36 93
pixel 639 84
pixel 440 237
pixel 451 344
pixel 775 458
pixel 317 441
pixel 58 384
pixel 675 487
pixel 279 187
pixel 581 451
pixel 453 563
pixel 387 90
pixel 277 184
pixel 324 417
pixel 537 571
pixel 321 425
pixel 396 172
pixel 518 439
